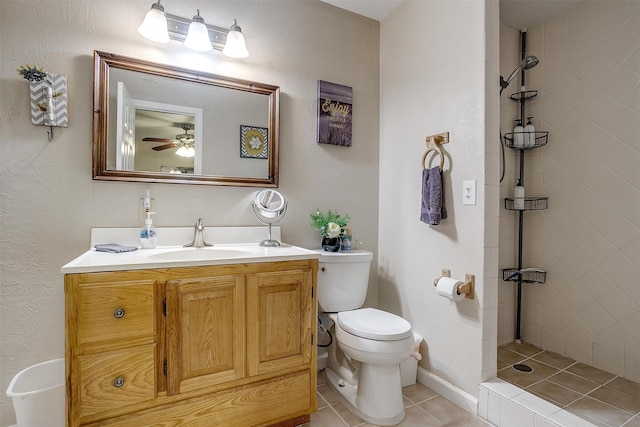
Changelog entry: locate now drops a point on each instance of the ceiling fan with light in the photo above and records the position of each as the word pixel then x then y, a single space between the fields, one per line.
pixel 184 142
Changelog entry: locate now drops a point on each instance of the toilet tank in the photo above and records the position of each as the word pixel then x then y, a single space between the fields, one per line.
pixel 343 279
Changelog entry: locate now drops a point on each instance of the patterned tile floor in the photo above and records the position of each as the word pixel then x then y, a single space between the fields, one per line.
pixel 423 407
pixel 599 397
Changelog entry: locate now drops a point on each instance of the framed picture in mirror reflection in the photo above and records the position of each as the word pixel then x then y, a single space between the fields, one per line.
pixel 253 142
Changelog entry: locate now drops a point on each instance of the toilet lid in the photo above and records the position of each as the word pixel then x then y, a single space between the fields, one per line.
pixel 374 324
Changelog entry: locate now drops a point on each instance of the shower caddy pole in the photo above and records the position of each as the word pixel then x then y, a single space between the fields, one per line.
pixel 523 50
pixel 530 203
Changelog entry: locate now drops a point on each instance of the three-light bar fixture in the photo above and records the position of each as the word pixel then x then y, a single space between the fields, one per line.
pixel 161 27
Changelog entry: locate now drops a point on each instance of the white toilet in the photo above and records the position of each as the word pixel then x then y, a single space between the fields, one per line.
pixel 364 358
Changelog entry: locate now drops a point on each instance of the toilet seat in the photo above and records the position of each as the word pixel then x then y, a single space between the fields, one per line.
pixel 374 324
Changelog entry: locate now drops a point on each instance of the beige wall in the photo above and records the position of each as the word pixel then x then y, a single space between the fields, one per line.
pixel 49 201
pixel 434 78
pixel 429 67
pixel 588 240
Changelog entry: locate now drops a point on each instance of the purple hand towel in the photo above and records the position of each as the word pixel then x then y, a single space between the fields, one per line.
pixel 433 209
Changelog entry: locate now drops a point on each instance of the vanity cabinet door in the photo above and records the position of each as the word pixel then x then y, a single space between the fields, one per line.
pixel 280 310
pixel 205 332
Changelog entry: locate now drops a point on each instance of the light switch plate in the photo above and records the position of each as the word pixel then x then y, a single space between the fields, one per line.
pixel 469 192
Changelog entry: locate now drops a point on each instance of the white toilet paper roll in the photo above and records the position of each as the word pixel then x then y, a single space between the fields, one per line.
pixel 448 288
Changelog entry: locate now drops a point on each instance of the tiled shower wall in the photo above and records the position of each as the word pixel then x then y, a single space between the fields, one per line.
pixel 588 240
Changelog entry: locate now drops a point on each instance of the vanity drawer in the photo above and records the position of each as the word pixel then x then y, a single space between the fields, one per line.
pixel 117 311
pixel 116 379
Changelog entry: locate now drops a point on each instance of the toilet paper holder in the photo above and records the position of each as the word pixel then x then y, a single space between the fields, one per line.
pixel 467 288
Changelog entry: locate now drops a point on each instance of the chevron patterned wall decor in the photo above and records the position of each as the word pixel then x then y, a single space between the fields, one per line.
pixel 58 104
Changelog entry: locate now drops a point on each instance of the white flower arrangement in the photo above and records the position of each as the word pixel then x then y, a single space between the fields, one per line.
pixel 330 225
pixel 333 230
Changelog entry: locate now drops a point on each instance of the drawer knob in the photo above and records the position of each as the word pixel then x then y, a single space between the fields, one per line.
pixel 118 313
pixel 118 382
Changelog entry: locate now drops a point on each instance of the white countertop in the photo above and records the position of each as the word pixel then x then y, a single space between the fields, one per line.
pixel 163 257
pixel 246 250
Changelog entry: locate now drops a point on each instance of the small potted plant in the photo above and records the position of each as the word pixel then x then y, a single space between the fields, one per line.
pixel 331 227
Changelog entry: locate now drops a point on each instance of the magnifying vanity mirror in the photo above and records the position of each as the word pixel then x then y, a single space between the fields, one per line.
pixel 269 206
pixel 162 123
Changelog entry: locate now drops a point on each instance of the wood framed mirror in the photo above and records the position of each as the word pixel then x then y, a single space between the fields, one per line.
pixel 162 123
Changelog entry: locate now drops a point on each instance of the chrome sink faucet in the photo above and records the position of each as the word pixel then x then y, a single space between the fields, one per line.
pixel 198 236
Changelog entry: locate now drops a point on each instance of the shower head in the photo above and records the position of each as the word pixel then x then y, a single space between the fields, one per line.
pixel 529 62
pixel 526 64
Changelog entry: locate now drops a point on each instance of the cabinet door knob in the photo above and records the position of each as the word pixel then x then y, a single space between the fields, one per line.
pixel 118 382
pixel 118 313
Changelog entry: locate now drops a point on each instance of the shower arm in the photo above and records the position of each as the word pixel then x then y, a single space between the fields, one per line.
pixel 526 63
pixel 504 83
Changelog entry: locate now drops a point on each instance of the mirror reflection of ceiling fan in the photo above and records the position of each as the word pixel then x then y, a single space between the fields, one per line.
pixel 185 140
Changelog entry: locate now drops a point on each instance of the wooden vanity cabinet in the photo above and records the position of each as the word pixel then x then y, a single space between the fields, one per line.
pixel 229 345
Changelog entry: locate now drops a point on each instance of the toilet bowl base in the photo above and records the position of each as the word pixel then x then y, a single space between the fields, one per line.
pixel 389 407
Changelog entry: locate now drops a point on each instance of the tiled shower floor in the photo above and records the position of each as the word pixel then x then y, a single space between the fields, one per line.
pixel 599 397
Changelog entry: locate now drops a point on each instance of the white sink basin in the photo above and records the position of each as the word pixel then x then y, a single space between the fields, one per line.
pixel 201 254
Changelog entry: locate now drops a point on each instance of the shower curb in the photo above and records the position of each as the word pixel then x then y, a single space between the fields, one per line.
pixel 505 405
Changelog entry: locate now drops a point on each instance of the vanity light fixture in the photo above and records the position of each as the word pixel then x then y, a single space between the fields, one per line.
pixel 198 36
pixel 154 26
pixel 194 33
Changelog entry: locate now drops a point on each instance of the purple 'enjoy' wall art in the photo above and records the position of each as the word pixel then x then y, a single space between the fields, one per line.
pixel 335 110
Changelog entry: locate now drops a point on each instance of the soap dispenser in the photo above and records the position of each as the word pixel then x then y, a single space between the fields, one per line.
pixel 148 233
pixel 529 134
pixel 518 135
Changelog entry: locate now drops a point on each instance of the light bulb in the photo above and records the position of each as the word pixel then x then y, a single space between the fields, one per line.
pixel 198 35
pixel 154 26
pixel 235 46
pixel 186 151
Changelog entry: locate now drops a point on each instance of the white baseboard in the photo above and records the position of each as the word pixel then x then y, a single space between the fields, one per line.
pixel 450 392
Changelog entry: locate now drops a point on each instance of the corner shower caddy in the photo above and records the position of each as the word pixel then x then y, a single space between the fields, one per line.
pixel 519 274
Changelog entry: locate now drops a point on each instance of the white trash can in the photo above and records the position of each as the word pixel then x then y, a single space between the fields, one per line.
pixel 38 395
pixel 323 358
pixel 409 368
